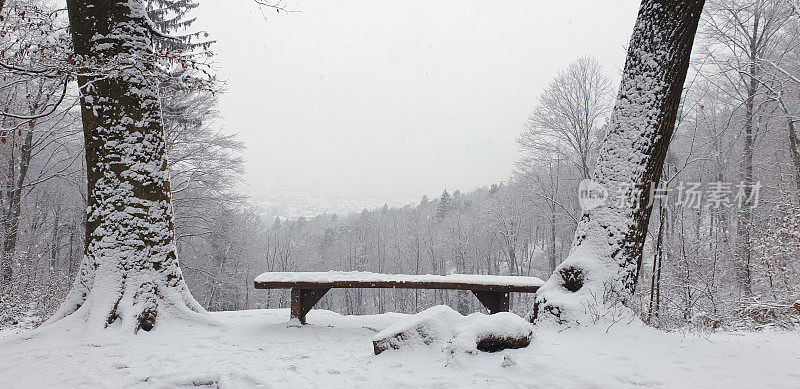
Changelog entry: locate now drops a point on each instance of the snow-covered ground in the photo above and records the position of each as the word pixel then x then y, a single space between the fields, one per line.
pixel 256 349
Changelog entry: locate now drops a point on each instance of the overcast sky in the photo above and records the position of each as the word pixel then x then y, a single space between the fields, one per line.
pixel 397 98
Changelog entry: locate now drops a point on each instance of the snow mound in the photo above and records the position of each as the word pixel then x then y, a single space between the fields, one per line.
pixel 442 328
pixel 434 326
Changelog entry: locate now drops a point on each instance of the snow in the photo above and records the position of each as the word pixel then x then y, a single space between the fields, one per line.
pixel 433 327
pixel 499 325
pixel 253 349
pixel 443 328
pixel 359 276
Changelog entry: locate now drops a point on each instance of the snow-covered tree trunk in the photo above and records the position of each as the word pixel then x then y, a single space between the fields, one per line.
pixel 602 268
pixel 129 276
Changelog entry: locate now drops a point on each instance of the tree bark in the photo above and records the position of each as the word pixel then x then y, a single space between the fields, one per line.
pixel 129 277
pixel 602 268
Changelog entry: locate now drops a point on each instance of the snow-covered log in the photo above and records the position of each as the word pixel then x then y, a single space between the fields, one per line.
pixel 442 328
pixel 129 277
pixel 603 265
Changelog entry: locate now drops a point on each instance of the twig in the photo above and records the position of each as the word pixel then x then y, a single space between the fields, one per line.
pixel 42 114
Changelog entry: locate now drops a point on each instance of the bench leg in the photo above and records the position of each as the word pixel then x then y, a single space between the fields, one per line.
pixel 303 300
pixel 493 301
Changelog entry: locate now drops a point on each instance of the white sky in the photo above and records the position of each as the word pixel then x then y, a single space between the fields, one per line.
pixel 393 99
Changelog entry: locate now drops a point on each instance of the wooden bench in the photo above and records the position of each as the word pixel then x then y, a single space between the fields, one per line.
pixel 309 287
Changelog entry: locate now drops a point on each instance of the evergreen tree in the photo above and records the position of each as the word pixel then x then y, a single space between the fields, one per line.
pixel 444 205
pixel 204 163
pixel 457 198
pixel 173 20
pixel 424 200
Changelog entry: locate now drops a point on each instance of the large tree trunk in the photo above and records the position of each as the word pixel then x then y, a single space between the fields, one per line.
pixel 129 277
pixel 602 268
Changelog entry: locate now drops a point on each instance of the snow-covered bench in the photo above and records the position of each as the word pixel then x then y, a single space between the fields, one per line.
pixel 309 287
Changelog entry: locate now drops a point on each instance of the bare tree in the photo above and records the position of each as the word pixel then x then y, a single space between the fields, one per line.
pixel 742 34
pixel 30 36
pixel 543 185
pixel 606 255
pixel 569 117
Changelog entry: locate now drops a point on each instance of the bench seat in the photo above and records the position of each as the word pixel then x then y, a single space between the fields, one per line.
pixel 309 287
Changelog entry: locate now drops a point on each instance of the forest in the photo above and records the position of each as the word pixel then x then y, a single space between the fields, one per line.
pixel 717 222
pixel 707 260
